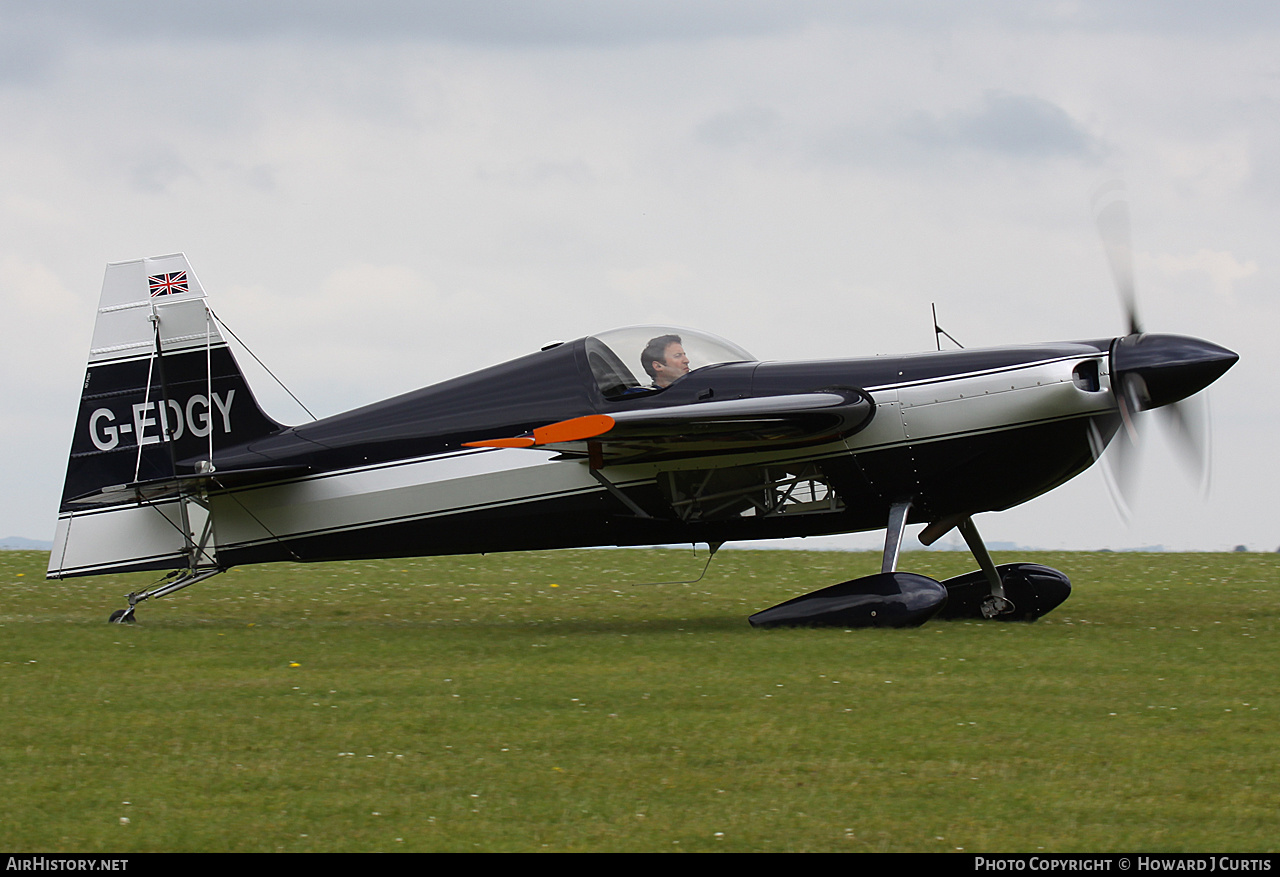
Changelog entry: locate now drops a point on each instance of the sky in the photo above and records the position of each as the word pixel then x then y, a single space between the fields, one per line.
pixel 381 195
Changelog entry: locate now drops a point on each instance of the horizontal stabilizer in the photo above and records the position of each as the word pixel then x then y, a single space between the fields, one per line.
pixel 164 488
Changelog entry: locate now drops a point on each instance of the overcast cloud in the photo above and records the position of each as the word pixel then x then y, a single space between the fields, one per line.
pixel 383 195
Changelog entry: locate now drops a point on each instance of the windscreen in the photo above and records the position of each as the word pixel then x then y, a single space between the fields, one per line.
pixel 640 359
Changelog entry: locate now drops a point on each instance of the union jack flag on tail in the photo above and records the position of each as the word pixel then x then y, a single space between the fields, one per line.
pixel 168 284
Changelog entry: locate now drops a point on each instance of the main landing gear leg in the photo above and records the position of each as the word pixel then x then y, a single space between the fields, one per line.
pixel 997 603
pixel 893 535
pixel 1008 592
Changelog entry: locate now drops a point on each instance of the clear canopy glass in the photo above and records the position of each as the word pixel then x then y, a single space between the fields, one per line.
pixel 618 357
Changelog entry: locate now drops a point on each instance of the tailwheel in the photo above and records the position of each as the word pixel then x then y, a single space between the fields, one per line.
pixel 122 616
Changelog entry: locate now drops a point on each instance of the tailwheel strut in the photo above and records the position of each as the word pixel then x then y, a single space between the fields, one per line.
pixel 180 579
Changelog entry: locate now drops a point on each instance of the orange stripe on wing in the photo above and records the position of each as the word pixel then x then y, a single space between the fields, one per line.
pixel 525 442
pixel 573 430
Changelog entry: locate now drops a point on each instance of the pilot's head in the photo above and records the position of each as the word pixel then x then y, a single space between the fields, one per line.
pixel 664 359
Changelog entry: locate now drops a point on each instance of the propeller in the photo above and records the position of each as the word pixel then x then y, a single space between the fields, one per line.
pixel 1161 372
pixel 1112 212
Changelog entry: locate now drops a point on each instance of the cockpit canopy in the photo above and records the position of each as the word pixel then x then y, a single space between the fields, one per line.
pixel 617 356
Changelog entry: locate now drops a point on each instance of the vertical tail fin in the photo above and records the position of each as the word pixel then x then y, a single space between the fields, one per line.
pixel 162 392
pixel 162 395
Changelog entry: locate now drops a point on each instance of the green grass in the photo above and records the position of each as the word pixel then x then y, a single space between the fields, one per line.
pixel 556 702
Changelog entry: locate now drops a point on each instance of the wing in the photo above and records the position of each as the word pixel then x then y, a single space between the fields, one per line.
pixel 702 428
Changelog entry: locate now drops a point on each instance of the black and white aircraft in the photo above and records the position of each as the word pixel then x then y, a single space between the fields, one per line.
pixel 637 436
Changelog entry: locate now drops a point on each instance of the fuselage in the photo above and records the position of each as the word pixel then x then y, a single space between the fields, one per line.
pixel 954 433
pixel 957 431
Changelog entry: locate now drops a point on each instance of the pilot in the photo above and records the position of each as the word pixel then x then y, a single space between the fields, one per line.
pixel 665 360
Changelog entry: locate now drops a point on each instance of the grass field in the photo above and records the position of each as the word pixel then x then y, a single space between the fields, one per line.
pixel 556 702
